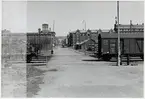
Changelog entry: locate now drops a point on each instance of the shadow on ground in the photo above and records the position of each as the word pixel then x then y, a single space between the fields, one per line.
pixel 34 78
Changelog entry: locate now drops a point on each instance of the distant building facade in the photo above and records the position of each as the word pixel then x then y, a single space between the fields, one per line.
pixel 79 36
pixel 70 39
pixel 46 30
pixel 83 37
pixel 6 31
pixel 129 28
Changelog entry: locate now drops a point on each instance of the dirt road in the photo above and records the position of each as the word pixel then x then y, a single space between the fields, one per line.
pixel 68 75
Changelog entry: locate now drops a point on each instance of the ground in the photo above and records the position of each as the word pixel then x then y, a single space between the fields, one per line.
pixel 68 73
pixel 14 80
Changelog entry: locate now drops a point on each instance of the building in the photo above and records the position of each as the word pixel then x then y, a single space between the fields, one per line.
pixel 129 28
pixel 70 39
pixel 92 34
pixel 74 39
pixel 5 31
pixel 81 35
pixel 78 36
pixel 88 45
pixel 45 30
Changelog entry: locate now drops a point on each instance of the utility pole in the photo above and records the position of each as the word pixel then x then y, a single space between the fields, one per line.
pixel 84 24
pixel 118 61
pixel 53 24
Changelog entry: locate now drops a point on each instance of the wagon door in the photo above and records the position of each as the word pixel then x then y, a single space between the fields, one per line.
pixel 113 46
pixel 105 46
pixel 126 46
pixel 139 46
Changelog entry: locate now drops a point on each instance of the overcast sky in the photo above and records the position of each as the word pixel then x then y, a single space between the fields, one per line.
pixel 22 16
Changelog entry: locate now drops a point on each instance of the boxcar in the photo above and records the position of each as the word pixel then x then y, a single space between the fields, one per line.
pixel 39 45
pixel 130 44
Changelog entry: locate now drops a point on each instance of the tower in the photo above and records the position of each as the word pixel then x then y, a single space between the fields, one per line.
pixel 44 28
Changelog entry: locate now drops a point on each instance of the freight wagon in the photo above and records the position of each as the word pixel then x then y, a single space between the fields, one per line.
pixel 39 44
pixel 130 45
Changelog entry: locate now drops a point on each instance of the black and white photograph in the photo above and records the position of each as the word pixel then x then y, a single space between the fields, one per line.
pixel 72 49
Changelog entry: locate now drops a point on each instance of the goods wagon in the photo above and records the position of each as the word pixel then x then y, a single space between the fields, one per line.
pixel 39 45
pixel 130 45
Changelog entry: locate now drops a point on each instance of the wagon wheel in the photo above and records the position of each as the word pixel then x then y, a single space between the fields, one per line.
pixel 106 57
pixel 142 57
pixel 29 58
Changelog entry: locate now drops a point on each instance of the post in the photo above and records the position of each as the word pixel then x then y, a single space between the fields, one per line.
pixel 85 25
pixel 128 59
pixel 38 49
pixel 53 24
pixel 130 26
pixel 118 62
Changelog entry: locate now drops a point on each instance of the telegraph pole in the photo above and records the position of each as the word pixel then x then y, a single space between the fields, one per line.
pixel 118 61
pixel 84 24
pixel 53 24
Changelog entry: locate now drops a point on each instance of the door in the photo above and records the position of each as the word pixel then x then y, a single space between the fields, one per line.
pixel 113 46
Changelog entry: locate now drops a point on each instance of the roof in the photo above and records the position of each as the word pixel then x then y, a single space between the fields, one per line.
pixel 87 41
pixel 36 34
pixel 13 34
pixel 122 35
pixel 132 25
pixel 94 31
pixel 105 30
pixel 82 31
pixel 42 33
pixel 73 31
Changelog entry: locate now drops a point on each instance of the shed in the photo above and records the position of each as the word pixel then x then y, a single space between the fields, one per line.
pixel 88 45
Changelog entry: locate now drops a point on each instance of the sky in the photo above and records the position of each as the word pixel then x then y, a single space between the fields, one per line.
pixel 22 16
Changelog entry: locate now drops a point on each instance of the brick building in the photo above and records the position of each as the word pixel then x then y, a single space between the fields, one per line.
pixel 70 39
pixel 92 34
pixel 78 36
pixel 73 38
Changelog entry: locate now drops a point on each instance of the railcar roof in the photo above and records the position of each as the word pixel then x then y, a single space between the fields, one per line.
pixel 122 35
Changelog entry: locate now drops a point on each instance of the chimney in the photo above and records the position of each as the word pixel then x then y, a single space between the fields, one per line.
pixel 130 22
